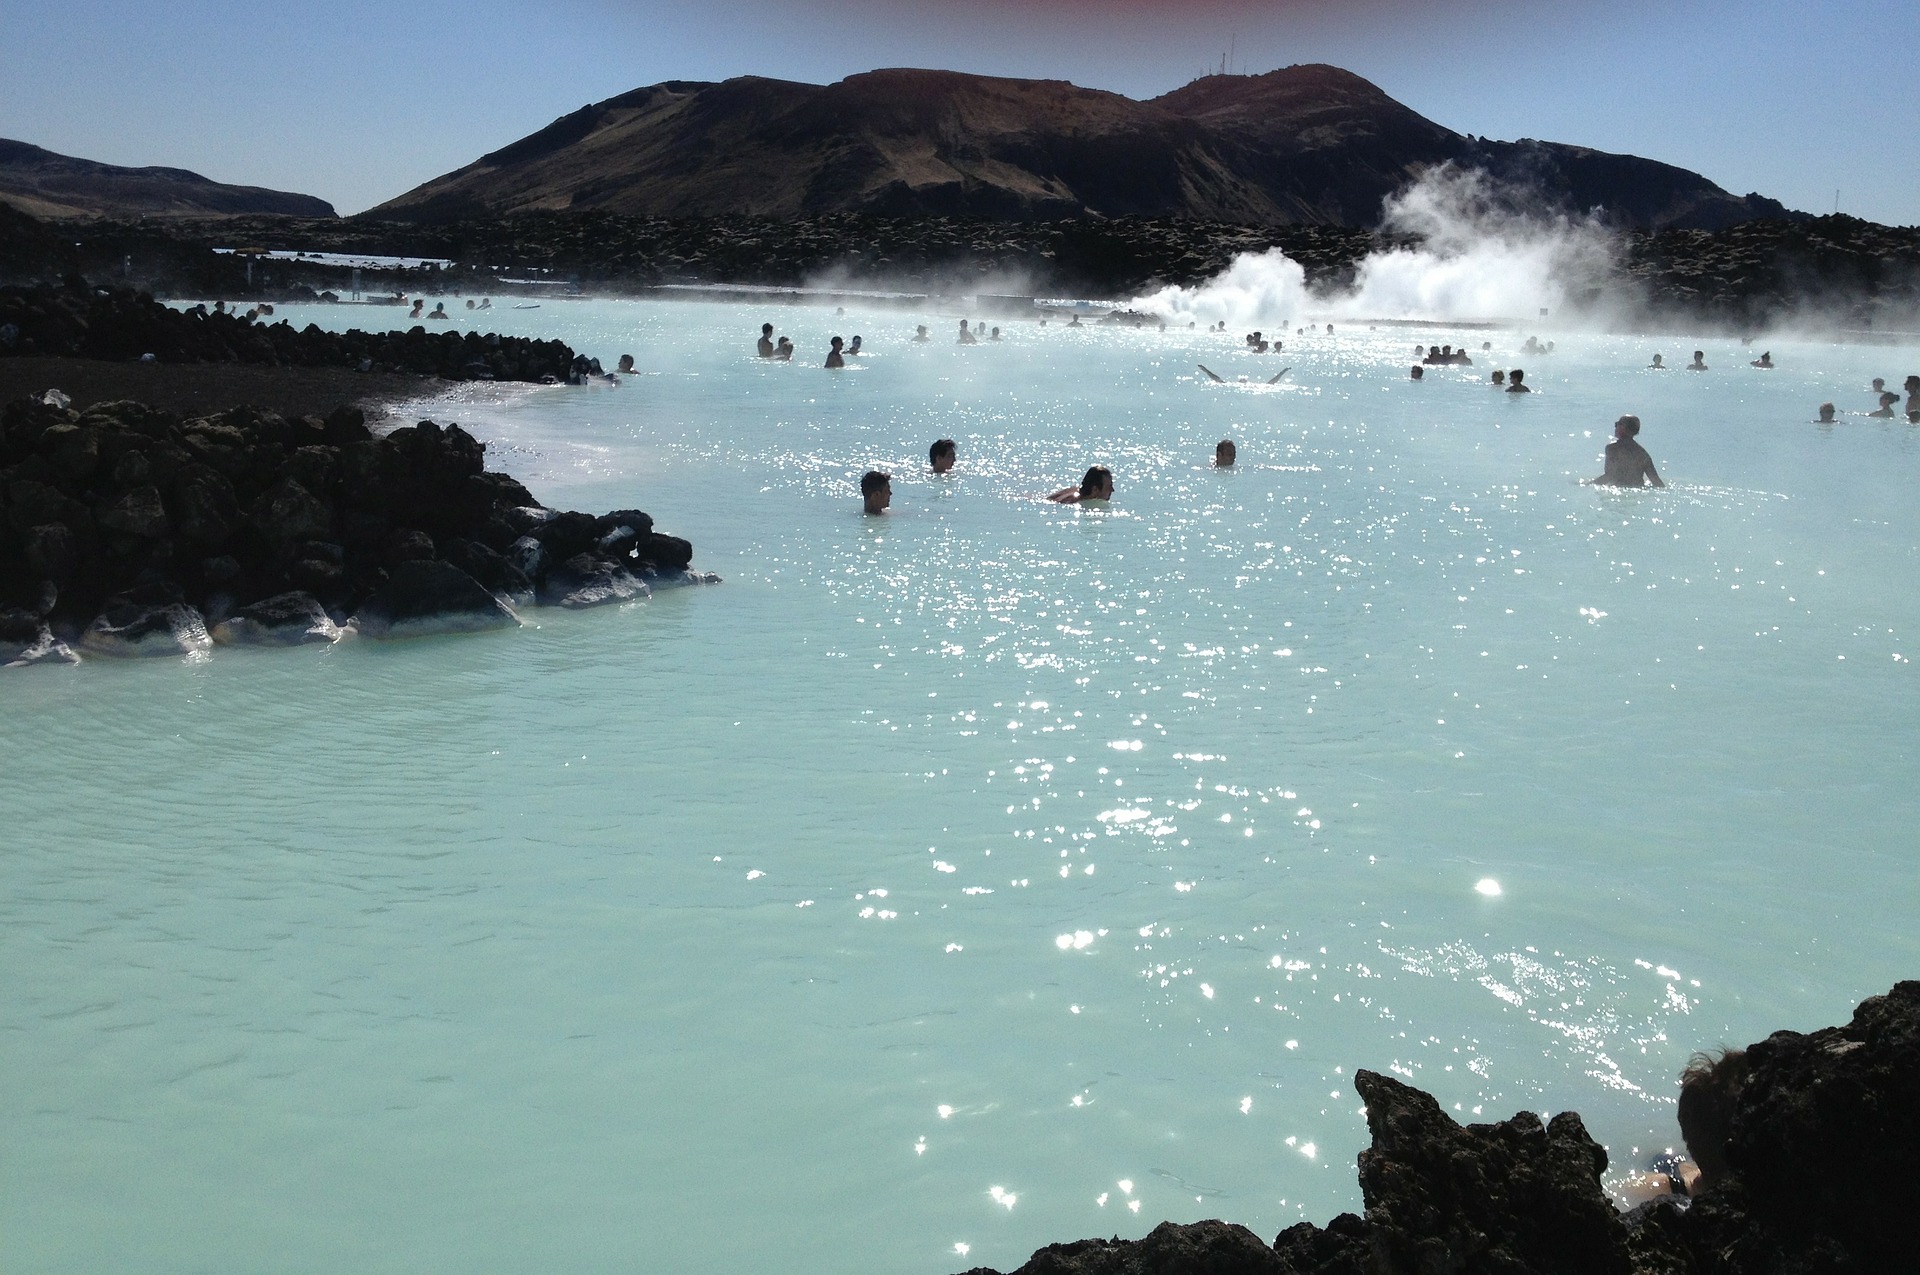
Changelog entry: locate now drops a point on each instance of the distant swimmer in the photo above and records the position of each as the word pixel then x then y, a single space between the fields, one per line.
pixel 834 358
pixel 1097 484
pixel 1074 322
pixel 941 455
pixel 1887 399
pixel 920 333
pixel 1699 363
pixel 765 344
pixel 1212 375
pixel 876 491
pixel 626 363
pixel 470 303
pixel 1912 387
pixel 783 352
pixel 419 308
pixel 853 346
pixel 1418 373
pixel 1499 379
pixel 1516 382
pixel 439 311
pixel 1329 329
pixel 486 303
pixel 1225 454
pixel 966 336
pixel 1658 364
pixel 995 336
pixel 1765 360
pixel 1826 414
pixel 1628 464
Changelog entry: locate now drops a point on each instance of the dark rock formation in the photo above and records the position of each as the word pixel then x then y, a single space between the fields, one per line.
pixel 132 526
pixel 49 185
pixel 286 619
pixel 1825 1177
pixel 118 323
pixel 1298 146
pixel 424 596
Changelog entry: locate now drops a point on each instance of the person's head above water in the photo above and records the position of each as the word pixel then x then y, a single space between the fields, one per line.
pixel 1225 453
pixel 876 491
pixel 1499 377
pixel 766 329
pixel 1657 362
pixel 1626 427
pixel 1826 413
pixel 942 455
pixel 1097 484
pixel 1417 372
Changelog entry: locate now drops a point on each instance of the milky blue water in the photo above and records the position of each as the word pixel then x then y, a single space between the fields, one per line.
pixel 993 872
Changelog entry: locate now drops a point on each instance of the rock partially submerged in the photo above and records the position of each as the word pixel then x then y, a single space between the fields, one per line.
pixel 286 619
pixel 281 530
pixel 1825 1176
pixel 424 597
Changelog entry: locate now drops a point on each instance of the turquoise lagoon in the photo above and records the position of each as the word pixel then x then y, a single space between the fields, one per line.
pixel 992 873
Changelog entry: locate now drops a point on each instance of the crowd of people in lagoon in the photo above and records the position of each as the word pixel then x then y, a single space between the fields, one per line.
pixel 1627 462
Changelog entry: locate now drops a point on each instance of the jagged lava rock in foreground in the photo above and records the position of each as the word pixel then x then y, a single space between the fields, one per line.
pixel 1825 1177
pixel 127 531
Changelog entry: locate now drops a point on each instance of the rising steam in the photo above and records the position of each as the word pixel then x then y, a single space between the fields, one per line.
pixel 1483 252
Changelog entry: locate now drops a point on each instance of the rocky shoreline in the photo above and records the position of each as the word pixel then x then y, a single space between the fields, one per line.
pixel 126 530
pixel 1836 270
pixel 1824 1155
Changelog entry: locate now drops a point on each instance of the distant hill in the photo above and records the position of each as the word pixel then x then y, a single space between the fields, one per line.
pixel 1307 145
pixel 47 185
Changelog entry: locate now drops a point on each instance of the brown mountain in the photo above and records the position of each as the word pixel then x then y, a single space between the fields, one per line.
pixel 1304 145
pixel 47 185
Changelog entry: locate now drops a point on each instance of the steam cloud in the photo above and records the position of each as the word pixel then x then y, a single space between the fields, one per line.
pixel 1485 252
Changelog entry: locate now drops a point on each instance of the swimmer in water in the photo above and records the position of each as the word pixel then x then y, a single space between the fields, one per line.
pixel 626 363
pixel 941 455
pixel 1417 372
pixel 1658 364
pixel 1074 322
pixel 853 346
pixel 1499 379
pixel 1765 360
pixel 783 352
pixel 419 308
pixel 765 345
pixel 834 358
pixel 1699 363
pixel 1225 454
pixel 1516 382
pixel 966 337
pixel 1887 399
pixel 1826 414
pixel 920 333
pixel 439 311
pixel 1097 484
pixel 995 335
pixel 876 491
pixel 1628 464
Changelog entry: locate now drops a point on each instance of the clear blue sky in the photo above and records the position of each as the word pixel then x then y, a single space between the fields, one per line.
pixel 357 102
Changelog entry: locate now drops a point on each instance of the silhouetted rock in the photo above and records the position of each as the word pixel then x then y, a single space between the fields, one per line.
pixel 1825 1177
pixel 588 580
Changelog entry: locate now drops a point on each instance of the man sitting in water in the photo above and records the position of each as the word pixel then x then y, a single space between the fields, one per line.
pixel 1699 363
pixel 1657 364
pixel 1826 414
pixel 834 357
pixel 1416 372
pixel 1765 360
pixel 1628 464
pixel 920 333
pixel 1516 382
pixel 876 491
pixel 1097 484
pixel 995 335
pixel 626 363
pixel 1225 454
pixel 765 344
pixel 941 455
pixel 966 336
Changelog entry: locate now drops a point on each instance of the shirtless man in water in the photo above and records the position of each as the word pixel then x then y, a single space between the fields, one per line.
pixel 1097 484
pixel 1628 464
pixel 764 347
